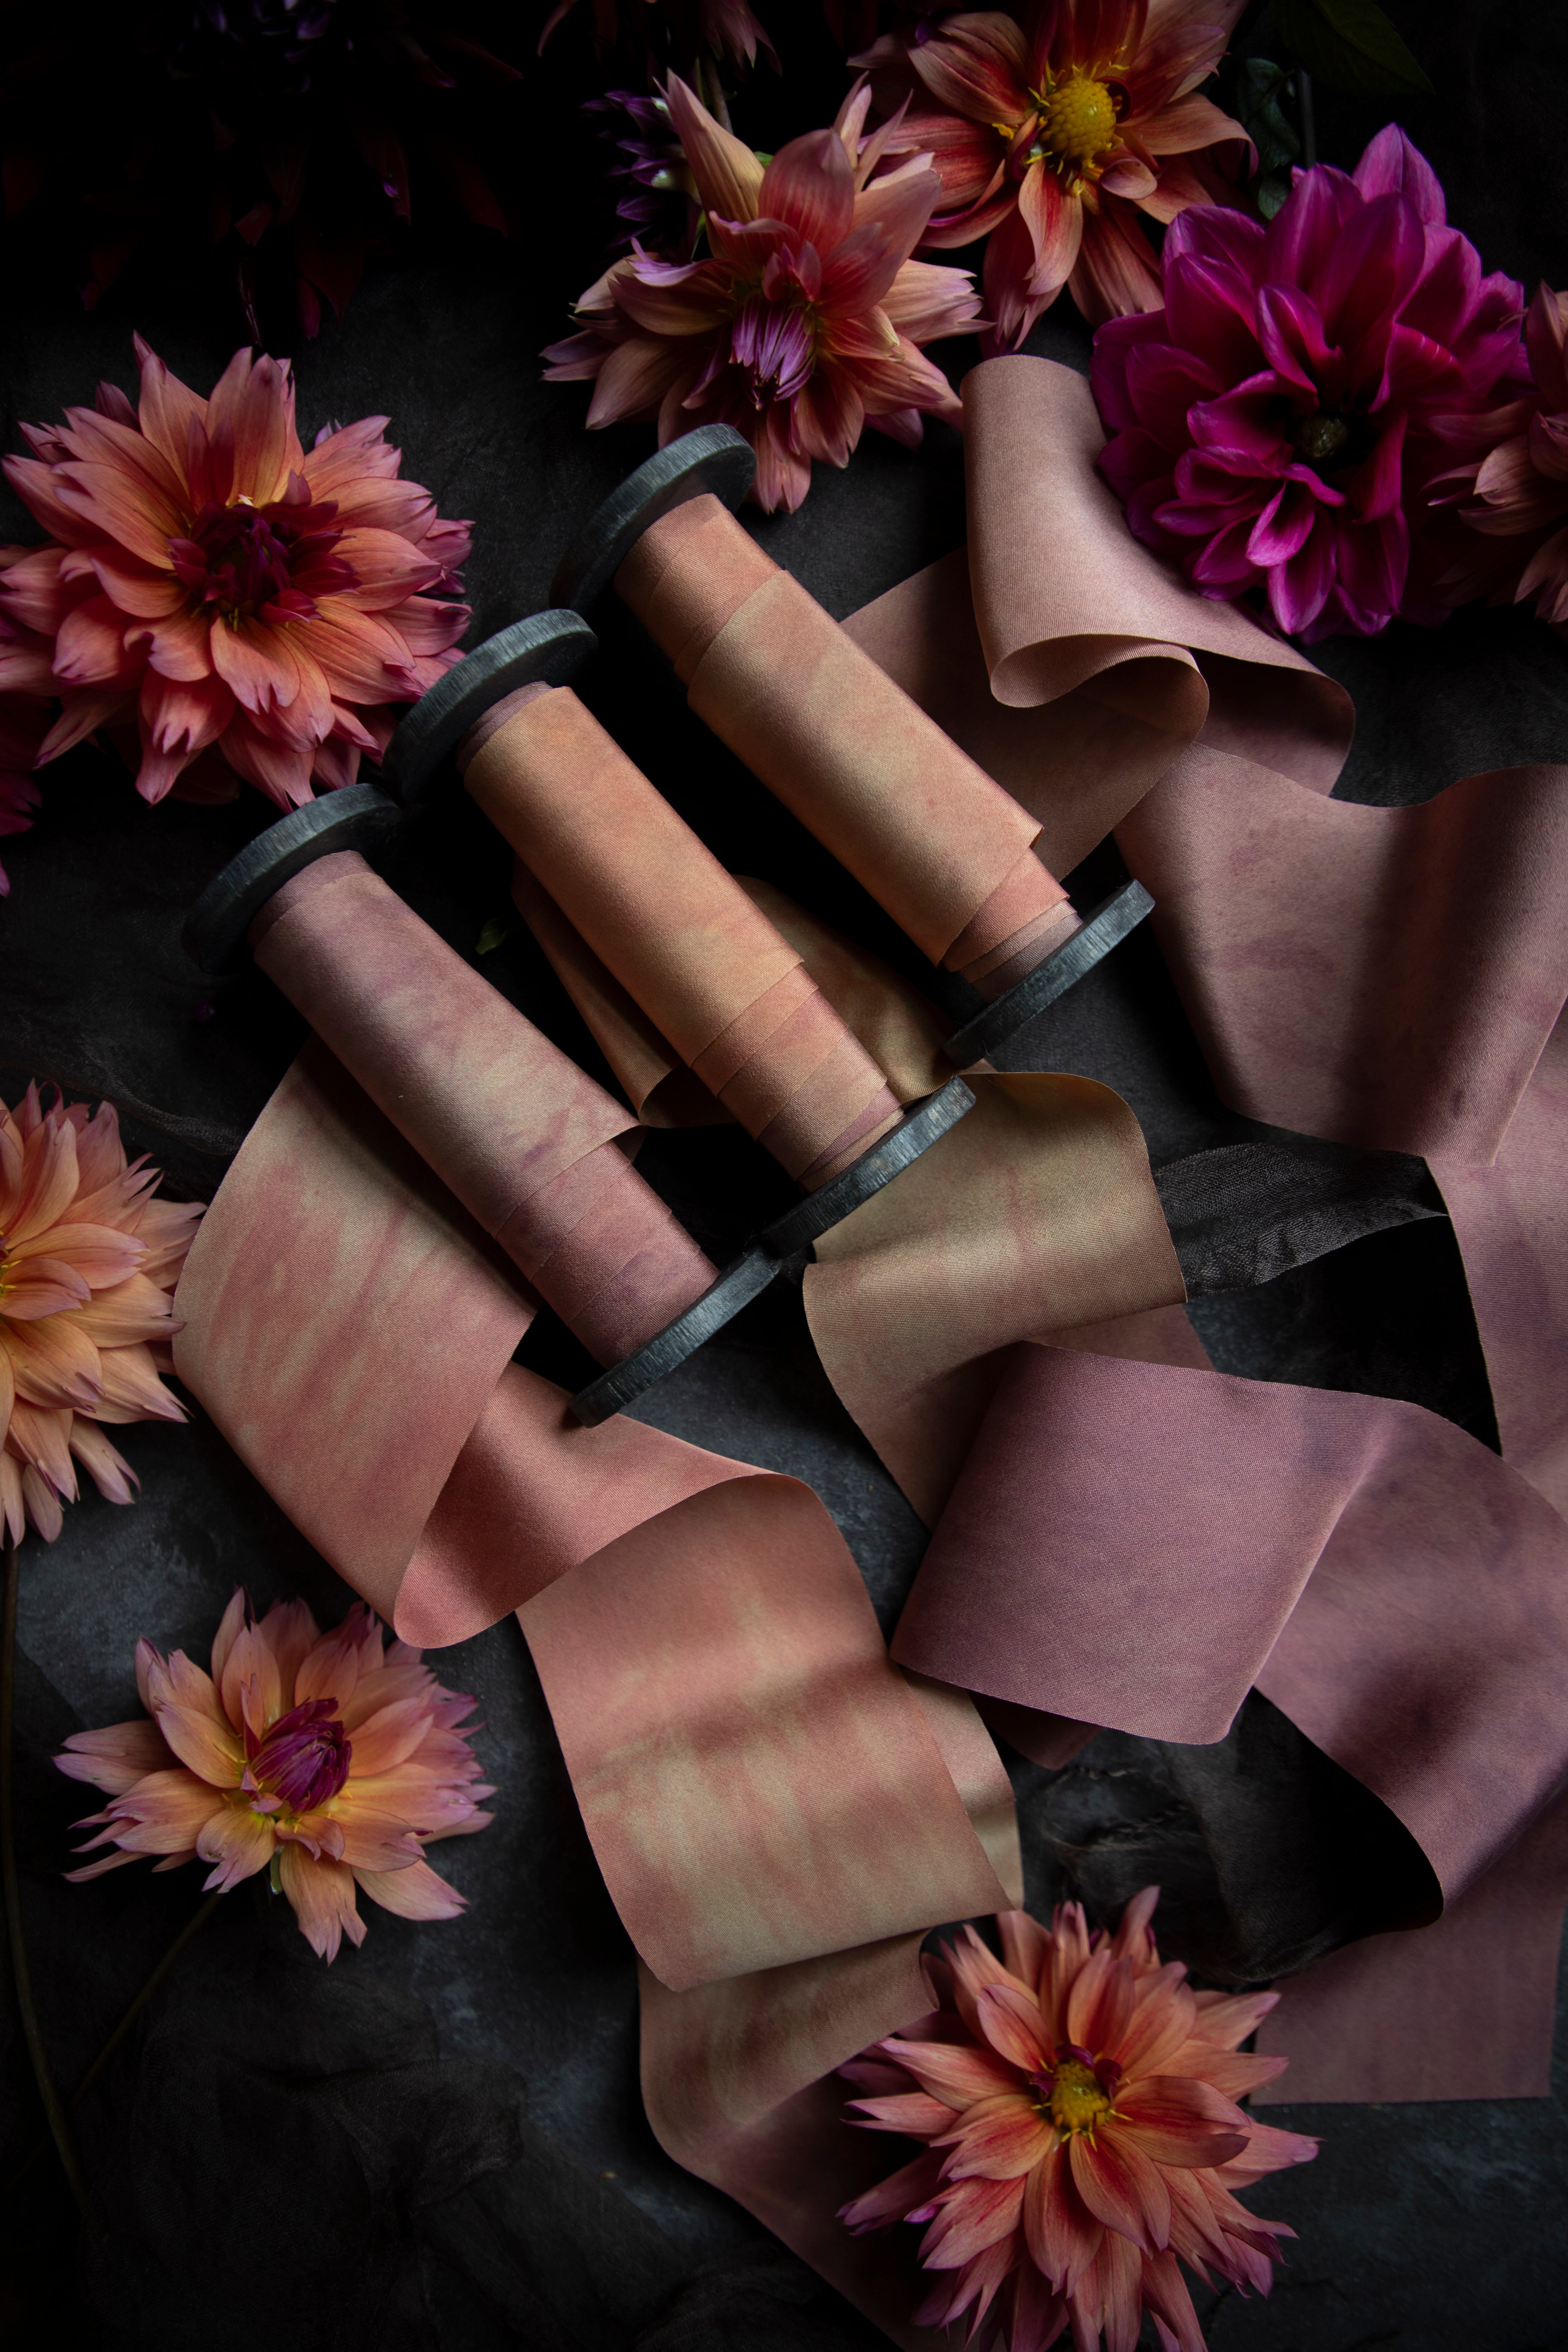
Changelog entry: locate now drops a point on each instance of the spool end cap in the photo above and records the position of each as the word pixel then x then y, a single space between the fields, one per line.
pixel 354 818
pixel 714 458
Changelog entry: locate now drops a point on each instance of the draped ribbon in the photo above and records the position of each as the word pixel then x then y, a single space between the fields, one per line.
pixel 779 1812
pixel 1134 1542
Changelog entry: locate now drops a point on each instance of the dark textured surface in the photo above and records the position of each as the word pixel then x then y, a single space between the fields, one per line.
pixel 438 2142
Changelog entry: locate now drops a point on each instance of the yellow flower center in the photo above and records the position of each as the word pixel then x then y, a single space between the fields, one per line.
pixel 1078 2098
pixel 1078 117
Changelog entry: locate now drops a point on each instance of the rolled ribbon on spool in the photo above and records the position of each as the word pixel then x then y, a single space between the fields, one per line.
pixel 935 841
pixel 528 1142
pixel 678 933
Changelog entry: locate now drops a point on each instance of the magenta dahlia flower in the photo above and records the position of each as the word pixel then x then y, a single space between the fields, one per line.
pixel 805 323
pixel 1279 423
pixel 211 585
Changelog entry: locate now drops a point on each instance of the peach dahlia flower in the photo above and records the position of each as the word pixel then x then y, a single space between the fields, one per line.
pixel 87 1263
pixel 212 585
pixel 1077 2101
pixel 1054 132
pixel 803 327
pixel 329 1758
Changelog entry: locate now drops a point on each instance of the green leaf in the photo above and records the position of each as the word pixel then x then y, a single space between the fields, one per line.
pixel 1259 86
pixel 497 928
pixel 1352 46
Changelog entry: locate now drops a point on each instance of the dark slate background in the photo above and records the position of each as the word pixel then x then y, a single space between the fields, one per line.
pixel 439 2142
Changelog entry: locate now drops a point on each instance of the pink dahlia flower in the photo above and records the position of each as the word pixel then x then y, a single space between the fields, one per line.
pixel 332 1759
pixel 1516 496
pixel 1279 423
pixel 1053 133
pixel 213 586
pixel 803 327
pixel 1077 2102
pixel 88 1261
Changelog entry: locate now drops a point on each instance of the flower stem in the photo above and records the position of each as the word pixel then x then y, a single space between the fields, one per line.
pixel 60 2131
pixel 1309 117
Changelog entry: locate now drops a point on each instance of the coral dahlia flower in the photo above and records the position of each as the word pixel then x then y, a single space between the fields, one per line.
pixel 331 1759
pixel 88 1261
pixel 1055 133
pixel 1516 496
pixel 804 325
pixel 212 585
pixel 1279 424
pixel 1077 2102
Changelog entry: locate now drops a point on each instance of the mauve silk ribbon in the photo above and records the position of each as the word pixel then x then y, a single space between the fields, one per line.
pixel 1134 1543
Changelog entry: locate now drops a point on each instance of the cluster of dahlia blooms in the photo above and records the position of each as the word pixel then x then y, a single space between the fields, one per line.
pixel 1078 2103
pixel 1284 421
pixel 805 323
pixel 212 587
pixel 1052 129
pixel 331 1759
pixel 89 1260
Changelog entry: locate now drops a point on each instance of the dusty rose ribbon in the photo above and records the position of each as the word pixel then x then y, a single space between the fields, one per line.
pixel 1382 976
pixel 779 1812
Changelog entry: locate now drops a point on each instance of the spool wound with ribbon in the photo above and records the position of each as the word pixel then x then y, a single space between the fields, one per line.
pixel 942 848
pixel 530 1146
pixel 690 948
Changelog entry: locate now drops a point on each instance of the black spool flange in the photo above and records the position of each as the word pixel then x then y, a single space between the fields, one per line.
pixel 714 458
pixel 355 818
pixel 784 1247
pixel 549 648
pixel 1104 929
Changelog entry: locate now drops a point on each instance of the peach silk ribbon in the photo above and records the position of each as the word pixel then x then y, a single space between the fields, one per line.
pixel 780 1813
pixel 1386 977
pixel 914 819
pixel 694 954
pixel 535 1152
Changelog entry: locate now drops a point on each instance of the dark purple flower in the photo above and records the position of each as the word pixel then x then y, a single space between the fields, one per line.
pixel 658 207
pixel 1278 423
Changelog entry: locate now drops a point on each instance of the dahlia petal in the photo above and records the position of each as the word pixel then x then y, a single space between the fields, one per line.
pixel 688 303
pixel 1176 2119
pixel 634 378
pixel 1164 2015
pixel 1372 561
pixel 1303 235
pixel 1282 526
pixel 109 1470
pixel 728 175
pixel 91 648
pixel 1208 309
pixel 390 1736
pixel 978 65
pixel 810 183
pixel 1165 2295
pixel 1061 2232
pixel 913 2113
pixel 1100 2005
pixel 166 407
pixel 31 590
pixel 119 506
pixel 99 1256
pixel 972 2215
pixel 1290 331
pixel 116 1758
pixel 281 771
pixel 1227 2018
pixel 416 1893
pixel 998 2139
pixel 53 1364
pixel 1025 1944
pixel 1007 275
pixel 1375 261
pixel 36 486
pixel 180 648
pixel 237 1842
pixel 1188 124
pixel 1268 2149
pixel 1012 2024
pixel 185 1706
pixel 253 401
pixel 386 568
pixel 1122 2187
pixel 1056 222
pixel 43 1503
pixel 164 1812
pixel 1391 166
pixel 48 1287
pixel 323 1895
pixel 903 2192
pixel 1162 384
pixel 1546 336
pixel 128 1386
pixel 956 2076
pixel 1298 588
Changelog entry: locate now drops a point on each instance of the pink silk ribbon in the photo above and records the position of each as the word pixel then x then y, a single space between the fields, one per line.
pixel 1388 977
